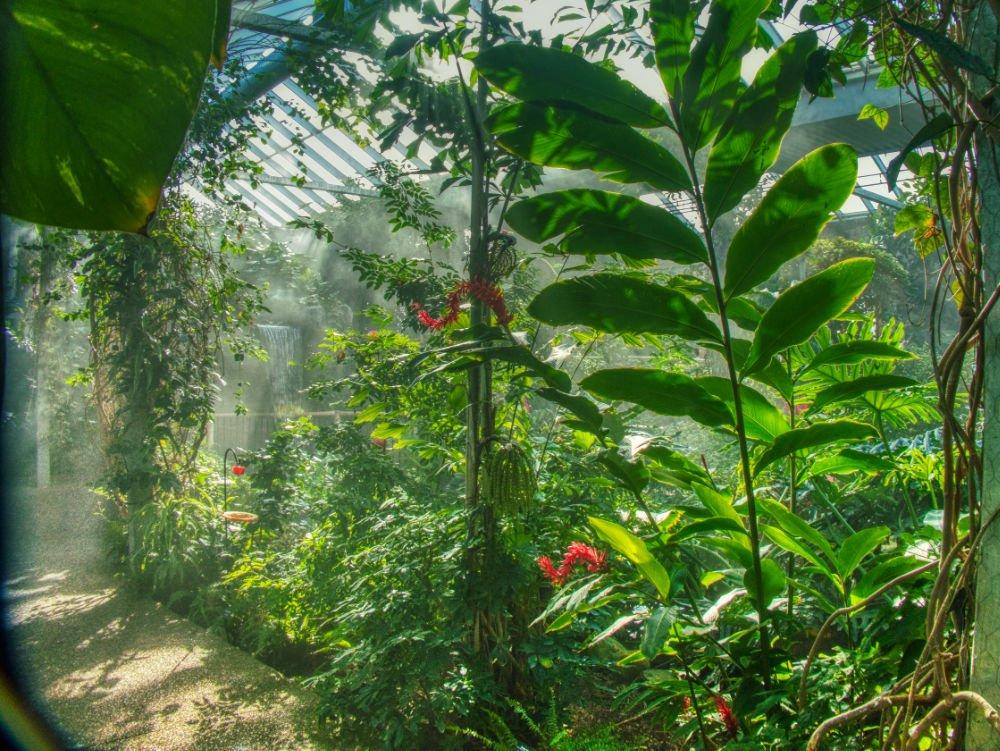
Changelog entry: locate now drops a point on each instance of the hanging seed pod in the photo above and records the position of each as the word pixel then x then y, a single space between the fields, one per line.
pixel 503 257
pixel 508 482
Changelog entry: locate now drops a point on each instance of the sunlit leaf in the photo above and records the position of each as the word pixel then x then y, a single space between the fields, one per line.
pixel 854 549
pixel 539 74
pixel 820 434
pixel 661 392
pixel 672 25
pixel 791 216
pixel 572 139
pixel 711 81
pixel 596 221
pixel 617 304
pixel 97 100
pixel 750 139
pixel 854 352
pixel 841 392
pixel 635 550
pixel 803 308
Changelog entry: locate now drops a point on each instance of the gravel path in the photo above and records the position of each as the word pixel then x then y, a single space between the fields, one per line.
pixel 117 671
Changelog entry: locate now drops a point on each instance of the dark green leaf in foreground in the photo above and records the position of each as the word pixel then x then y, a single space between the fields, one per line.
pixel 597 221
pixel 819 434
pixel 661 392
pixel 572 139
pixel 802 309
pixel 618 304
pixel 790 217
pixel 97 99
pixel 537 74
pixel 750 139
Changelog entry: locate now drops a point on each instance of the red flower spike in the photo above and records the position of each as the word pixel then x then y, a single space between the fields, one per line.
pixel 577 552
pixel 239 469
pixel 686 704
pixel 553 575
pixel 727 716
pixel 489 294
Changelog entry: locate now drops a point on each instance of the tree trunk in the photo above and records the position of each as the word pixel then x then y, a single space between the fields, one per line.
pixel 986 645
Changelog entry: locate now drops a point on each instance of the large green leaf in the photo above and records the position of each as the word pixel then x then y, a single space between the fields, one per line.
pixel 655 632
pixel 672 467
pixel 854 549
pixel 785 541
pixel 585 410
pixel 572 139
pixel 763 421
pixel 672 26
pixel 619 304
pixel 596 221
pixel 635 550
pixel 820 434
pixel 772 579
pixel 848 461
pixel 97 99
pixel 774 375
pixel 537 74
pixel 519 355
pixel 861 350
pixel 711 81
pixel 790 217
pixel 797 527
pixel 800 310
pixel 661 392
pixel 841 392
pixel 750 139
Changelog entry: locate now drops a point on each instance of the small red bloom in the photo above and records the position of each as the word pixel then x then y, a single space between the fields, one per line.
pixel 577 552
pixel 686 704
pixel 550 571
pixel 239 469
pixel 489 294
pixel 380 442
pixel 727 716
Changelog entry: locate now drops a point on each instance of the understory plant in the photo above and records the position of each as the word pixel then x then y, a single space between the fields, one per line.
pixel 787 380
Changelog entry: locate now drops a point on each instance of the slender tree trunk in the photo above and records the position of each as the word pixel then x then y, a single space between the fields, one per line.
pixel 986 645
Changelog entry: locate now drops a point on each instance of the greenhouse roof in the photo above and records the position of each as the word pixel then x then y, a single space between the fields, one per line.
pixel 309 166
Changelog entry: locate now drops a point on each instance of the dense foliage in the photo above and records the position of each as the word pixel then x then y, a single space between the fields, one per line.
pixel 651 461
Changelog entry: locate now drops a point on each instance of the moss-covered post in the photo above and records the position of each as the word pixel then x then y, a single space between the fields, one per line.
pixel 986 644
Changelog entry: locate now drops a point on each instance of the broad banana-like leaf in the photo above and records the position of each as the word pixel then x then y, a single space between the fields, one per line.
pixel 803 308
pixel 597 221
pixel 790 217
pixel 573 139
pixel 661 392
pixel 750 139
pixel 538 74
pixel 820 434
pixel 672 26
pixel 97 99
pixel 619 304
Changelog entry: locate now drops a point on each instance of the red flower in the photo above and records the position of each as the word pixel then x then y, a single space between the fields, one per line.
pixel 239 469
pixel 380 442
pixel 489 294
pixel 550 571
pixel 686 704
pixel 727 716
pixel 577 552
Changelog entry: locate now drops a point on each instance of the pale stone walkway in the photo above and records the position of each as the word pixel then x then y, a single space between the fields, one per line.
pixel 117 671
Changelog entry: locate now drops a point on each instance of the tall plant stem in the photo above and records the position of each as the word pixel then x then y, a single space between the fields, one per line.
pixel 741 433
pixel 793 485
pixel 479 410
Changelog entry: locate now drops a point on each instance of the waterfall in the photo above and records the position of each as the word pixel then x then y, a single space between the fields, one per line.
pixel 283 344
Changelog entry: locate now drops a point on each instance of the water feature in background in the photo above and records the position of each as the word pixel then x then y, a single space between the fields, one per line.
pixel 283 345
